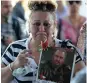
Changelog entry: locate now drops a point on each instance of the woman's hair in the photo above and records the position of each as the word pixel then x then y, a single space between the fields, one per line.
pixel 49 5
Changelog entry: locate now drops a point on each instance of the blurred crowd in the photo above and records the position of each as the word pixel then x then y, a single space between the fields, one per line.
pixel 13 22
pixel 71 25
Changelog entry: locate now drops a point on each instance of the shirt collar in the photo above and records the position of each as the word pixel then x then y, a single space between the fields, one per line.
pixel 27 42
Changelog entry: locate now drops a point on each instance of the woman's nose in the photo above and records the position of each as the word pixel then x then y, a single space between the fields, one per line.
pixel 58 59
pixel 41 28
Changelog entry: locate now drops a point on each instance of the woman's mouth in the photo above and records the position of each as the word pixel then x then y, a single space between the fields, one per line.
pixel 41 34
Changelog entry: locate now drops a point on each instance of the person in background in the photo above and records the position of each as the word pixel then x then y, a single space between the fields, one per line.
pixel 62 9
pixel 42 26
pixel 19 20
pixel 7 31
pixel 71 24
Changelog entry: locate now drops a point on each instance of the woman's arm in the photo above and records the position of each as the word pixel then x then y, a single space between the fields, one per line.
pixel 20 61
pixel 79 65
pixel 6 74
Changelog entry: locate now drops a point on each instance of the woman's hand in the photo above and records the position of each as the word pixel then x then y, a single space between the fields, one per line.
pixel 21 60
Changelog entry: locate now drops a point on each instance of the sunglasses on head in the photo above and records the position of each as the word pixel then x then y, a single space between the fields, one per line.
pixel 77 2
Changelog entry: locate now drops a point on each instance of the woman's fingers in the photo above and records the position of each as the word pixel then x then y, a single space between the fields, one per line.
pixel 24 51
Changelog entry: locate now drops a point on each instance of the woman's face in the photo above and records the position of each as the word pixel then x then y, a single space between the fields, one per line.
pixel 74 6
pixel 41 25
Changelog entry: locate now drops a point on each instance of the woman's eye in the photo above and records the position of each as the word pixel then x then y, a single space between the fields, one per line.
pixel 46 24
pixel 37 24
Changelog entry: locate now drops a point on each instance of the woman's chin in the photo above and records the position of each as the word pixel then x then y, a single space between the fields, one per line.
pixel 41 38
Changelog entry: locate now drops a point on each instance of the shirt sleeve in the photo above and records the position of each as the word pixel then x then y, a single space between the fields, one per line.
pixel 7 56
pixel 78 58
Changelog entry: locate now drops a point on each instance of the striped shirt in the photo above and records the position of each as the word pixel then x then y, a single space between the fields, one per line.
pixel 12 52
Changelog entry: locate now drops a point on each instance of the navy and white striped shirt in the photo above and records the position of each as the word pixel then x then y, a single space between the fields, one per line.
pixel 12 52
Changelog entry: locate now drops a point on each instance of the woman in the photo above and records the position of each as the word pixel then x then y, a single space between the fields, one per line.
pixel 71 24
pixel 42 27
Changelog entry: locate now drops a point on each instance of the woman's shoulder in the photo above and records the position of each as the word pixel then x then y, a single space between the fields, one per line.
pixel 19 41
pixel 65 20
pixel 83 19
pixel 57 42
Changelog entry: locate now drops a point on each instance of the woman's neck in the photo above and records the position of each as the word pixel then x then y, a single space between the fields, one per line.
pixel 74 16
pixel 35 45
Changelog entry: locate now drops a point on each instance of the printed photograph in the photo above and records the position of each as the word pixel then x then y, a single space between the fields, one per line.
pixel 56 65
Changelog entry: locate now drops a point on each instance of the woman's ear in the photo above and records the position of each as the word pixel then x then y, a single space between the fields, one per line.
pixel 55 23
pixel 55 30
